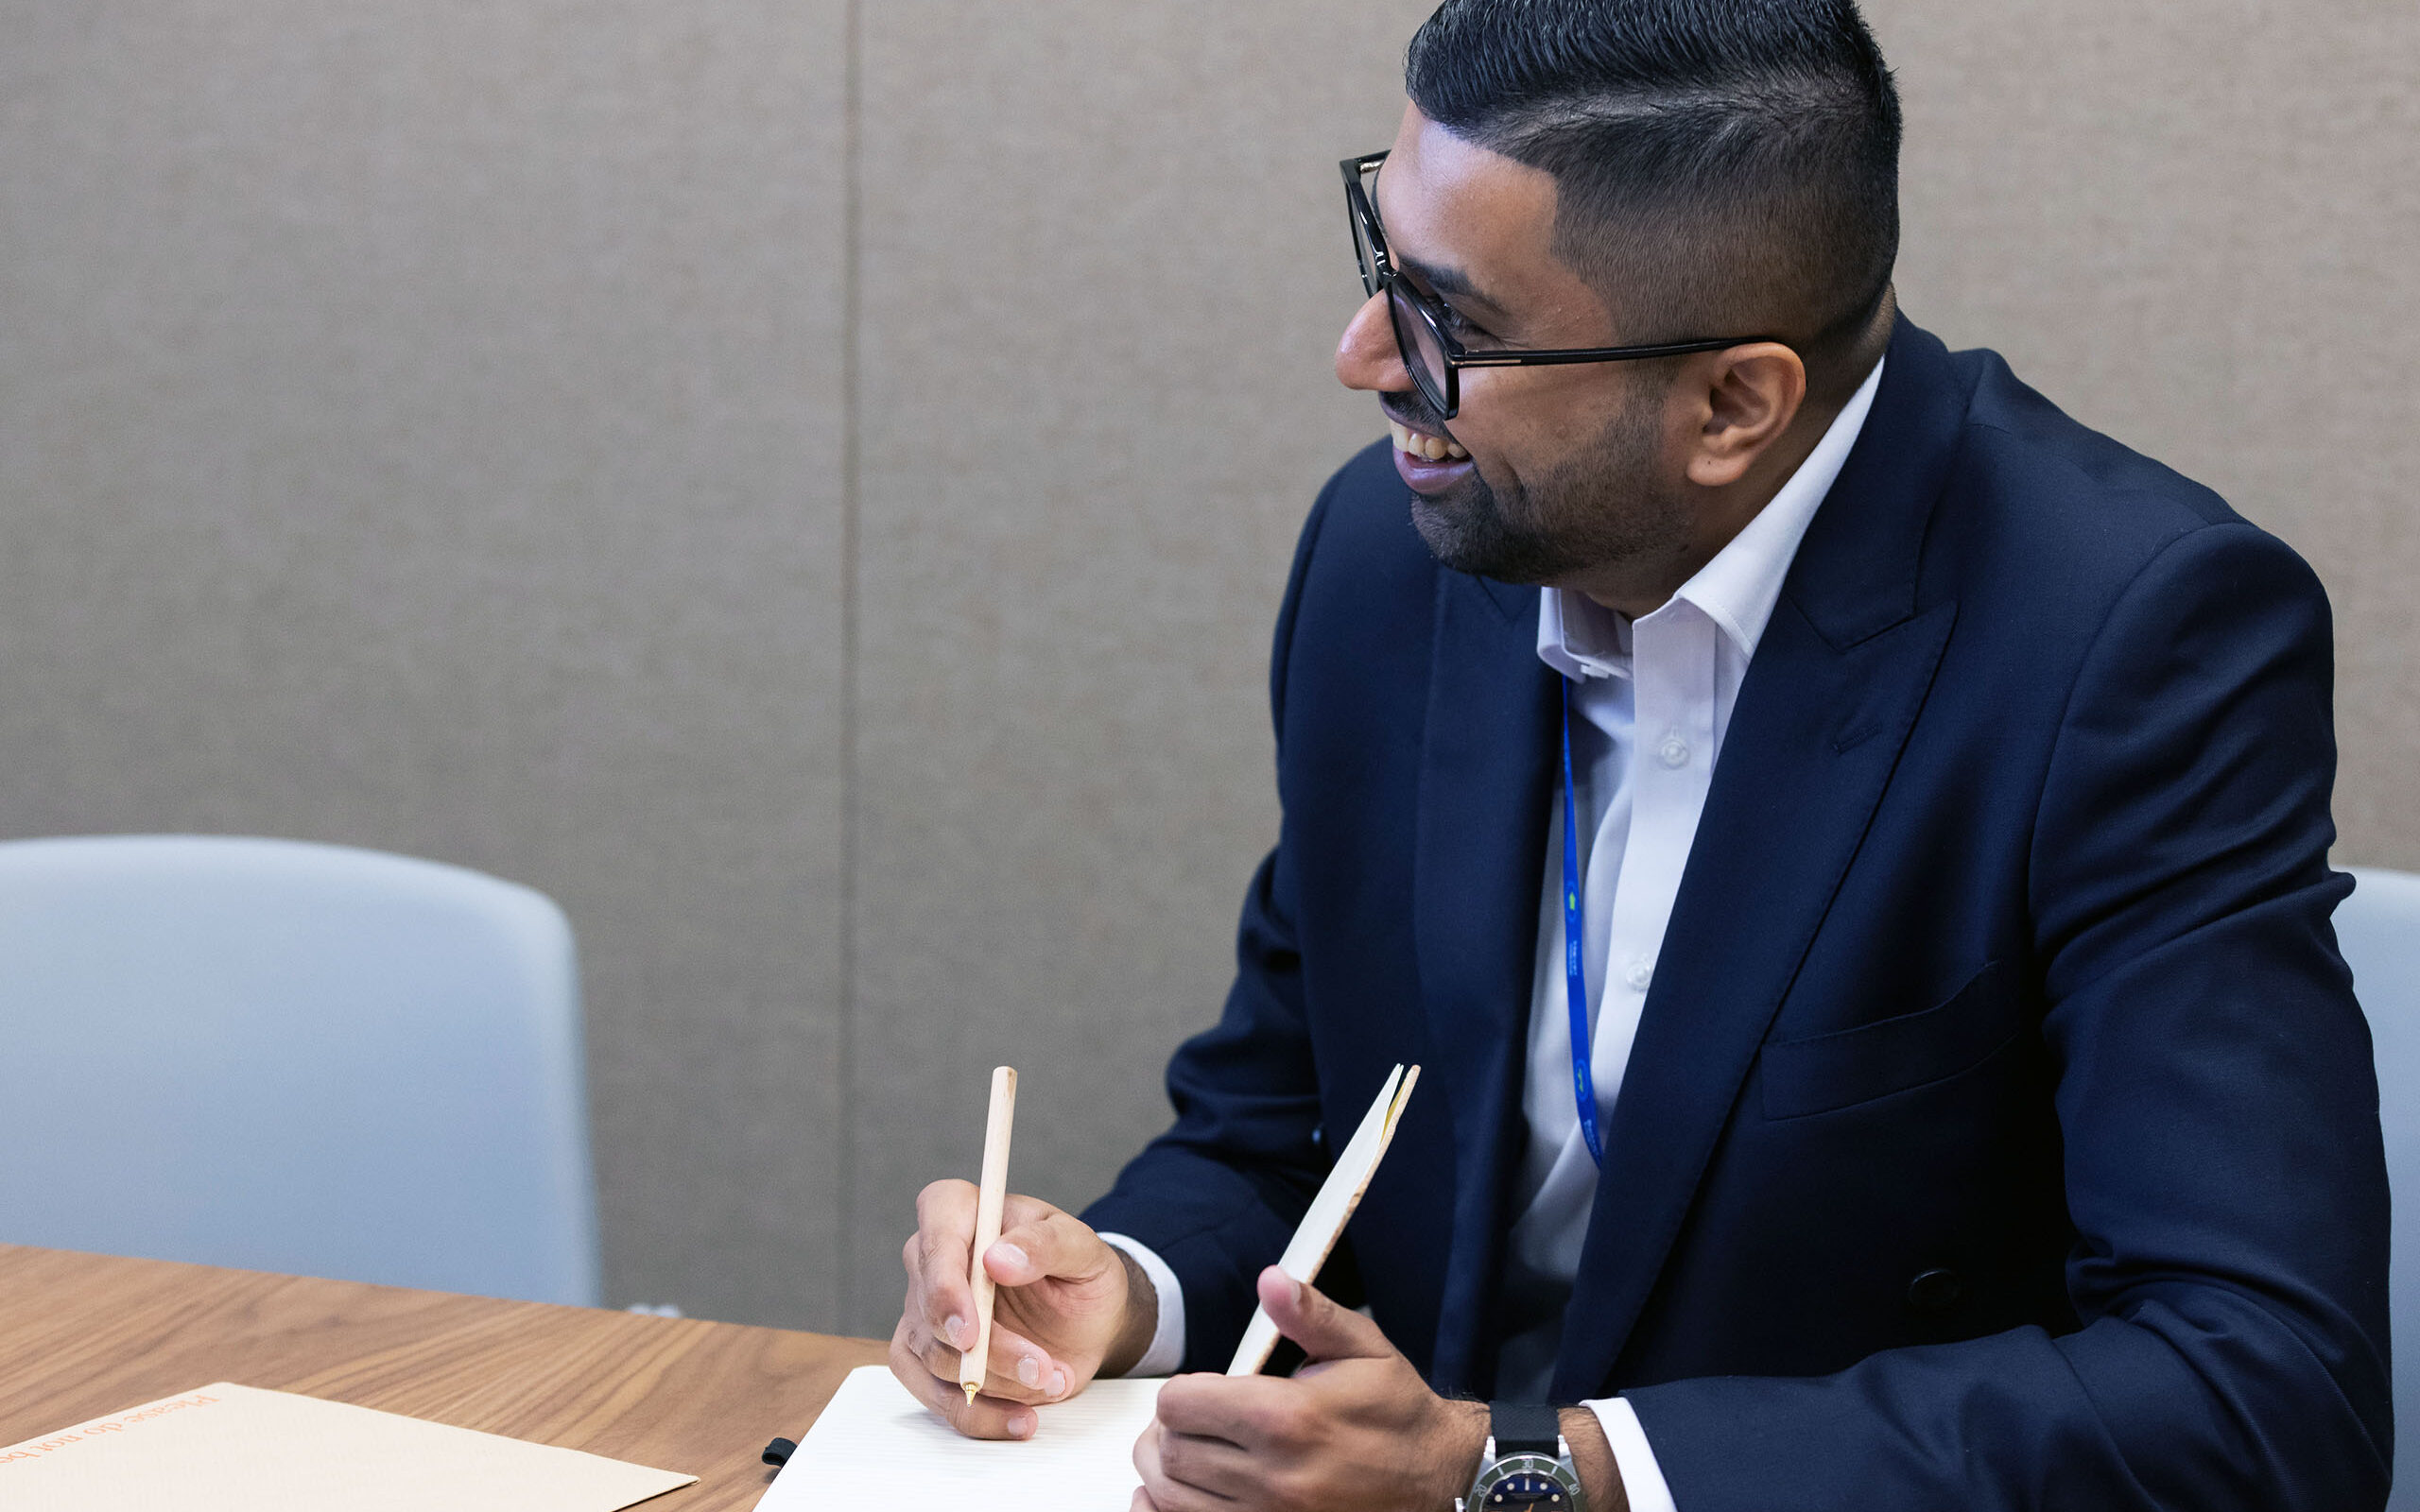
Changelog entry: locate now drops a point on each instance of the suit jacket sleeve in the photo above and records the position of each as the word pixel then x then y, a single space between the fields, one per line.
pixel 2218 1105
pixel 1219 1195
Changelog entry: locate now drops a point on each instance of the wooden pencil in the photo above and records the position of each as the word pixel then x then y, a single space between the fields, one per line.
pixel 991 1196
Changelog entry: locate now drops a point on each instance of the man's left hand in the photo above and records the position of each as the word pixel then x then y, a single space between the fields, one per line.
pixel 1356 1426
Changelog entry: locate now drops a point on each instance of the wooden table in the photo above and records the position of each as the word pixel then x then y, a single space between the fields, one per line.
pixel 82 1335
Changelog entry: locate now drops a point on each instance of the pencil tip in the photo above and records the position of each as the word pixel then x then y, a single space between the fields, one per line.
pixel 970 1392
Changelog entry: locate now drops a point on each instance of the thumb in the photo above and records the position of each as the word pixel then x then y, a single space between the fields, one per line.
pixel 1325 1328
pixel 1053 1245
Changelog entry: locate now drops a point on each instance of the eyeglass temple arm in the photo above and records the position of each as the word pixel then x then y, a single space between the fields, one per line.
pixel 1549 360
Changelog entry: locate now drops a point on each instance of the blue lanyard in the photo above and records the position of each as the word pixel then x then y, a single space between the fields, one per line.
pixel 1574 974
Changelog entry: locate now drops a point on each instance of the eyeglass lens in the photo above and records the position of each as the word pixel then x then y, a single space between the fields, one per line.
pixel 1422 353
pixel 1416 336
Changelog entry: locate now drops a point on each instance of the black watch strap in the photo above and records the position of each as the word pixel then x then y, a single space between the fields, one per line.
pixel 1525 1428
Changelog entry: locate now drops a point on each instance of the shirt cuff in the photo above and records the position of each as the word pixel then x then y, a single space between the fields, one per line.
pixel 1168 1340
pixel 1642 1478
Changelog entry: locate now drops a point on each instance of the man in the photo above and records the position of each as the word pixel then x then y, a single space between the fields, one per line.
pixel 1955 1098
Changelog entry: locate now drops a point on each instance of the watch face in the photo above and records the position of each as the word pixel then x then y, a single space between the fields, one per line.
pixel 1530 1482
pixel 1525 1489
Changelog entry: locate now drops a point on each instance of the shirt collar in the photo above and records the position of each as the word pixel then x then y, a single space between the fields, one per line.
pixel 1738 589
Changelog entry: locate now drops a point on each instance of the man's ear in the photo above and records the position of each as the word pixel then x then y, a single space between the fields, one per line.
pixel 1747 396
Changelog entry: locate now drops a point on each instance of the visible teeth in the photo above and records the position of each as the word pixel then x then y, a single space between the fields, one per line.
pixel 1436 449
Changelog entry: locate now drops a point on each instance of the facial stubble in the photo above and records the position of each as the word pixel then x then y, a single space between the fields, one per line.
pixel 1602 506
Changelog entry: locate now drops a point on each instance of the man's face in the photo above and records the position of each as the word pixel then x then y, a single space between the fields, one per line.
pixel 1566 466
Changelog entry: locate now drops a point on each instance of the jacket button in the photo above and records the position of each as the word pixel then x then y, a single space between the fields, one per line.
pixel 1936 1291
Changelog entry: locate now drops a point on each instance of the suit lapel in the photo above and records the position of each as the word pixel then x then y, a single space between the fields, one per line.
pixel 1485 778
pixel 1830 698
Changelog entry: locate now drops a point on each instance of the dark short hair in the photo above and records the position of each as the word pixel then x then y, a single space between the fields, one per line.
pixel 1722 167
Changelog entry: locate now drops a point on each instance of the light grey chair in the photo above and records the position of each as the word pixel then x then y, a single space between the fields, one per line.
pixel 293 1057
pixel 2379 928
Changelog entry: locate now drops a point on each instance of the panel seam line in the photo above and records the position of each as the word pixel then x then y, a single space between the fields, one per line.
pixel 845 1141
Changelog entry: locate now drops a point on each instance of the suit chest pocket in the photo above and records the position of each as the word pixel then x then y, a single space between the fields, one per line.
pixel 1827 1072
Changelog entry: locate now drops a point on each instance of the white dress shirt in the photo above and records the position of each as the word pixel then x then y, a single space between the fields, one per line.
pixel 1650 705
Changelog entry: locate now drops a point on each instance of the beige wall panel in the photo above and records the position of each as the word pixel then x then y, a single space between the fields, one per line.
pixel 422 428
pixel 1105 265
pixel 418 429
pixel 2193 227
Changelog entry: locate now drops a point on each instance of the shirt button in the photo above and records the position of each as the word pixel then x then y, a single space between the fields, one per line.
pixel 1936 1291
pixel 1674 750
pixel 1639 974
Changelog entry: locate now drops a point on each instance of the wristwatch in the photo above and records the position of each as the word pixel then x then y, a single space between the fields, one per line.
pixel 1526 1465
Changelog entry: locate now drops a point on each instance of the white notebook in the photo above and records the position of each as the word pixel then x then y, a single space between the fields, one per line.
pixel 878 1446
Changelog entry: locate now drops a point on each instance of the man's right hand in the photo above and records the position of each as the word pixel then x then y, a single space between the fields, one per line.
pixel 1066 1308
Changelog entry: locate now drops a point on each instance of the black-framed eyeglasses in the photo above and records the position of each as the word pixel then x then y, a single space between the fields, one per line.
pixel 1430 353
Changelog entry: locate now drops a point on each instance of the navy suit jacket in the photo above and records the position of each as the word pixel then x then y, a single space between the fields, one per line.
pixel 2003 960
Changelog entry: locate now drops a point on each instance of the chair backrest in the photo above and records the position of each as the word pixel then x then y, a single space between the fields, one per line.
pixel 294 1058
pixel 2378 929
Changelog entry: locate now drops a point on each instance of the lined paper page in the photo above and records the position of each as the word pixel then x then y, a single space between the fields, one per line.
pixel 878 1446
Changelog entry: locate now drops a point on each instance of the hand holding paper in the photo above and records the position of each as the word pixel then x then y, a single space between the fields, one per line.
pixel 1354 1428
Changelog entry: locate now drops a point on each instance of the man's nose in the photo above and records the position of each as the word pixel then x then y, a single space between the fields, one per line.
pixel 1368 357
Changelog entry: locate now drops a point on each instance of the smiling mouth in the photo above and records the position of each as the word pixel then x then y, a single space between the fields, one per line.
pixel 1422 445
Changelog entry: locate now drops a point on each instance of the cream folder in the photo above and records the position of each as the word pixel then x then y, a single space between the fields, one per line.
pixel 237 1449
